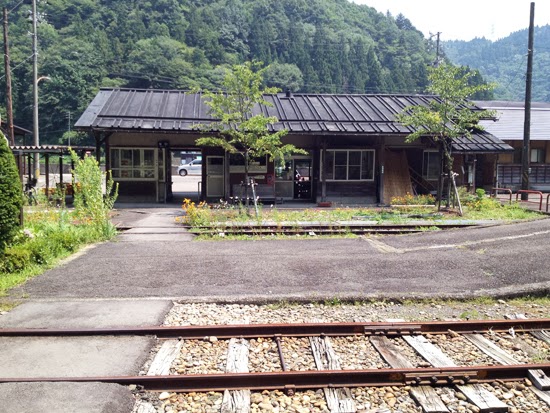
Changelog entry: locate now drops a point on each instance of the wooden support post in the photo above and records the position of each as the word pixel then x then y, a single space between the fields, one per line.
pixel 98 142
pixel 29 167
pixel 47 167
pixel 323 171
pixel 382 157
pixel 61 170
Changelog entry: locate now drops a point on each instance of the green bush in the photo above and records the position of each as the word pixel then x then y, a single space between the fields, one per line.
pixel 11 195
pixel 15 258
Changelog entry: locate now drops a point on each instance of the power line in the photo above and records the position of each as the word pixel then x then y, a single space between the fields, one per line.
pixel 19 65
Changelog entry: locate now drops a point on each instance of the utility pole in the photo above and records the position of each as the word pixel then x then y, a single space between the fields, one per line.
pixel 69 119
pixel 437 42
pixel 526 152
pixel 9 104
pixel 36 138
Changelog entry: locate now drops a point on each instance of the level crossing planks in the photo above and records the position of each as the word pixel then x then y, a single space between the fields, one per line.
pixel 390 353
pixel 486 401
pixel 237 401
pixel 165 358
pixel 430 401
pixel 431 353
pixel 491 349
pixel 339 400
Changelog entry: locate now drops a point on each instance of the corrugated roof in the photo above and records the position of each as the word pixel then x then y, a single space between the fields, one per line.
pixel 51 148
pixel 511 118
pixel 180 112
pixel 480 142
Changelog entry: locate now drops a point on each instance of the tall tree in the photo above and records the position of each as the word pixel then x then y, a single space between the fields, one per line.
pixel 449 115
pixel 239 130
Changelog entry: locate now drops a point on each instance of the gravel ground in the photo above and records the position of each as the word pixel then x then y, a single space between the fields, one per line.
pixel 198 314
pixel 209 354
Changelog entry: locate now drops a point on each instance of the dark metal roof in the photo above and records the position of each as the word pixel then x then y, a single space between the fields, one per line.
pixel 511 118
pixel 480 142
pixel 180 112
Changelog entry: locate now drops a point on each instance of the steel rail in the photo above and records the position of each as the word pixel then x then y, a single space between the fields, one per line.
pixel 295 330
pixel 291 380
pixel 334 225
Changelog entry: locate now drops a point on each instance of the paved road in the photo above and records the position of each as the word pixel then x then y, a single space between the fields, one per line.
pixel 156 259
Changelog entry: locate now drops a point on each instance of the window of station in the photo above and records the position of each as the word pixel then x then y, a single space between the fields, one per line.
pixel 133 164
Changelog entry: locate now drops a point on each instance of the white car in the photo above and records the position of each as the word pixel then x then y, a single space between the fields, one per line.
pixel 191 168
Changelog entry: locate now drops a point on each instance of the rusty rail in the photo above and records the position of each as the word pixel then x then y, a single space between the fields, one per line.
pixel 291 380
pixel 294 330
pixel 508 190
pixel 526 191
pixel 320 229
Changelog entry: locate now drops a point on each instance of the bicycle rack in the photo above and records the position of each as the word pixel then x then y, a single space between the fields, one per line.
pixel 507 190
pixel 525 191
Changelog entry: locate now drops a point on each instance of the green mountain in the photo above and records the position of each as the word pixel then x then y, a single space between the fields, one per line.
pixel 316 46
pixel 505 62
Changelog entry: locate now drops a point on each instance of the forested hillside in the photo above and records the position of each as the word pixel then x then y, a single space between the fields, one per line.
pixel 324 46
pixel 505 62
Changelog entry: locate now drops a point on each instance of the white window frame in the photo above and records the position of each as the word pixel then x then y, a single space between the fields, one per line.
pixel 425 167
pixel 347 165
pixel 127 172
pixel 253 167
pixel 537 155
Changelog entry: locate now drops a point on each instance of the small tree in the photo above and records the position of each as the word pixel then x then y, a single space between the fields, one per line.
pixel 448 116
pixel 238 130
pixel 11 195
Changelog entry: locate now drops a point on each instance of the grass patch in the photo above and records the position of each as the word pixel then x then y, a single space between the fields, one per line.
pixel 49 236
pixel 225 217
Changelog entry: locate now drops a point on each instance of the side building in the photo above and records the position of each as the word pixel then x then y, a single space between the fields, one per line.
pixel 356 151
pixel 510 128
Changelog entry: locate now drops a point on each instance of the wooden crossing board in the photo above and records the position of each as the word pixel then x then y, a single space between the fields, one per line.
pixel 339 400
pixel 165 357
pixel 543 395
pixel 542 335
pixel 431 353
pixel 425 396
pixel 430 401
pixel 236 401
pixel 483 399
pixel 491 349
pixel 538 377
pixel 390 353
pixel 486 401
pixel 540 380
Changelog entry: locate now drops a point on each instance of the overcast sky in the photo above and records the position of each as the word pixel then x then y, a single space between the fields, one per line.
pixel 466 19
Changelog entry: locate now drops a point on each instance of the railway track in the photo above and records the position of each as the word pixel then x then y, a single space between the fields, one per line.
pixel 327 229
pixel 465 356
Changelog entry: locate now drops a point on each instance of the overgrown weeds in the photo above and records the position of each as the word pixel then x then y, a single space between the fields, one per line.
pixel 223 216
pixel 53 233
